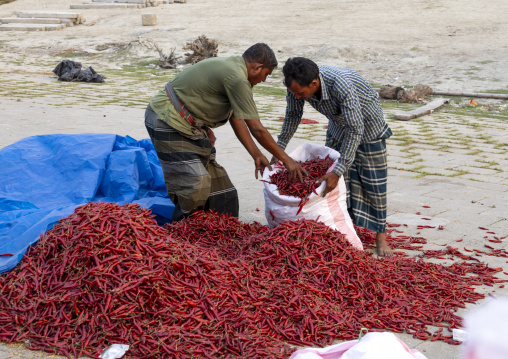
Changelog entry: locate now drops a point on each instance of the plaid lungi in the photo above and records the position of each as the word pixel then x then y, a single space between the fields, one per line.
pixel 366 182
pixel 194 180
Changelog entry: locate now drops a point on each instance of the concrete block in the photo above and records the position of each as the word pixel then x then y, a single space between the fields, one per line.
pixel 105 6
pixel 68 22
pixel 22 27
pixel 51 14
pixel 149 19
pixel 121 1
pixel 29 20
pixel 50 27
pixel 79 20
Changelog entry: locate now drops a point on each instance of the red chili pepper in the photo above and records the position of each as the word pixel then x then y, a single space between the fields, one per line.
pixel 211 286
pixel 316 168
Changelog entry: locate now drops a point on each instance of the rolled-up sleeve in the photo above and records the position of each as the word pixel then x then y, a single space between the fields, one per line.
pixel 294 113
pixel 354 126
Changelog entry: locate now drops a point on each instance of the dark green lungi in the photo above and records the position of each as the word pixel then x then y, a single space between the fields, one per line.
pixel 194 180
pixel 366 182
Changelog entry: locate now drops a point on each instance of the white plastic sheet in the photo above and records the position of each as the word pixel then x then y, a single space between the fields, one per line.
pixel 375 345
pixel 115 351
pixel 487 329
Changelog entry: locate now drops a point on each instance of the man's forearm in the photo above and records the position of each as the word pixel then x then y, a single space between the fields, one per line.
pixel 289 128
pixel 292 118
pixel 244 129
pixel 260 133
pixel 242 133
pixel 266 140
pixel 347 153
pixel 285 135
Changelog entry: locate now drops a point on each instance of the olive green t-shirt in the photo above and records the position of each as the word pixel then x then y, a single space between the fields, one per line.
pixel 209 89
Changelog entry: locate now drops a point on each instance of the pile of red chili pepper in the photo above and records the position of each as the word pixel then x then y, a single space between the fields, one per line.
pixel 211 286
pixel 316 167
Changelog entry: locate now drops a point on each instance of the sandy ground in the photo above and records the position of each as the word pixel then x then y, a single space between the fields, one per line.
pixel 455 45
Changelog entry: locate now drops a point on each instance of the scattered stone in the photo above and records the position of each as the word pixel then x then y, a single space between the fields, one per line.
pixel 149 19
pixel 391 92
pixel 415 94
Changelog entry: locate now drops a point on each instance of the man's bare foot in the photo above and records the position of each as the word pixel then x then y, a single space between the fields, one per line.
pixel 382 247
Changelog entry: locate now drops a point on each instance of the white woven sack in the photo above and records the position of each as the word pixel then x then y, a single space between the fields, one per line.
pixel 331 209
pixel 374 345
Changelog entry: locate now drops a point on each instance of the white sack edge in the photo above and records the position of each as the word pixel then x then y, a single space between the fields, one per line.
pixel 330 210
pixel 375 345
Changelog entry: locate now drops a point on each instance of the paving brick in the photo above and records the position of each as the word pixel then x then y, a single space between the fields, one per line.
pixel 460 205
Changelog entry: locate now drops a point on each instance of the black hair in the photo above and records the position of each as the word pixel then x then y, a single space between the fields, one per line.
pixel 301 70
pixel 262 54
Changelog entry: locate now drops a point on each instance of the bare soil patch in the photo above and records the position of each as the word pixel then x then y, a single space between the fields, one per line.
pixel 446 44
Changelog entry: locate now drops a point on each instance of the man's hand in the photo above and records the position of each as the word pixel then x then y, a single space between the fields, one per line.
pixel 331 179
pixel 295 170
pixel 274 160
pixel 261 162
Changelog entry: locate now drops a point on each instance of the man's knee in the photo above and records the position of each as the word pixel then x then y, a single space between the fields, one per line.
pixel 192 191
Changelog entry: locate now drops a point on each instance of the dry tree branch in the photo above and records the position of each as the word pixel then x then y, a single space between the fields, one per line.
pixel 202 48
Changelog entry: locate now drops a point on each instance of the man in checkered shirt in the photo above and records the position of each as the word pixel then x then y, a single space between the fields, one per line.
pixel 356 129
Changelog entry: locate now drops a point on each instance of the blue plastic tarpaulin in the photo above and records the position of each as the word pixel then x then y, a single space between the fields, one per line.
pixel 44 178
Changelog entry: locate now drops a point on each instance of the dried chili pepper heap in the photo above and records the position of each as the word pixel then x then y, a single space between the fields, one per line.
pixel 316 167
pixel 211 286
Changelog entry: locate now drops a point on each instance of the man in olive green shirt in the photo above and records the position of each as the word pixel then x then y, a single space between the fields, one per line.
pixel 180 117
